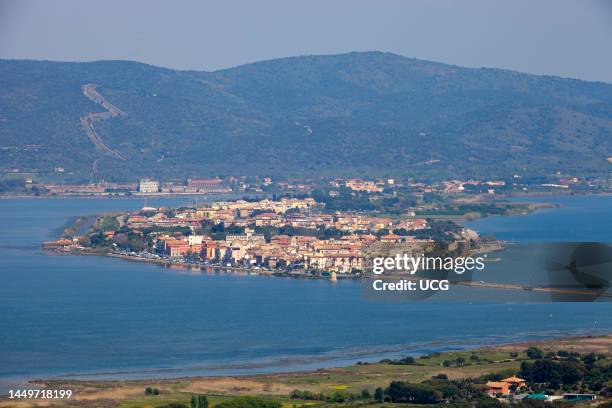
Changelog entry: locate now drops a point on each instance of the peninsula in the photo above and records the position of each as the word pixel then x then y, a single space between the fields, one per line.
pixel 321 232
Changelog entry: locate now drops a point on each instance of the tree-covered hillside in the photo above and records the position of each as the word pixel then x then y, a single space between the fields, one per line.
pixel 350 114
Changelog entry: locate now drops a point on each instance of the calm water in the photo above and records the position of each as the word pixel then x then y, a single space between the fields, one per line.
pixel 107 318
pixel 579 219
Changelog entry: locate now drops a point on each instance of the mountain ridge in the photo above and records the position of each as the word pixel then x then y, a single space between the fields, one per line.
pixel 361 113
pixel 301 56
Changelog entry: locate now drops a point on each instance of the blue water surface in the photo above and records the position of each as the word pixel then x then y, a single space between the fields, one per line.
pixel 97 317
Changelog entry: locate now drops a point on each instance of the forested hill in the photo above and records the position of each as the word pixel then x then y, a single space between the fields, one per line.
pixel 351 114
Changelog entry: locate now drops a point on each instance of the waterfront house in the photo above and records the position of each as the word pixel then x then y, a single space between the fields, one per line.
pixel 60 244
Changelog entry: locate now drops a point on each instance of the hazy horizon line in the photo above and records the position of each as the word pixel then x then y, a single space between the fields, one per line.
pixel 76 61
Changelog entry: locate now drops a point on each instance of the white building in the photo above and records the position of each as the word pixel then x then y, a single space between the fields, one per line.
pixel 195 239
pixel 148 186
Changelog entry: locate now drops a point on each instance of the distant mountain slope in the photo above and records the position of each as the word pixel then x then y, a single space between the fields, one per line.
pixel 359 113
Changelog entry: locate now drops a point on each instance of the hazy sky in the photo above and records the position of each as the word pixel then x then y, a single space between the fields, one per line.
pixel 559 37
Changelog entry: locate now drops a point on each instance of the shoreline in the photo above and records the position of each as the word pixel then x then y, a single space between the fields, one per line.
pixel 494 358
pixel 271 274
pixel 128 197
pixel 499 246
pixel 561 192
pixel 496 246
pixel 190 266
pixel 517 194
pixel 447 346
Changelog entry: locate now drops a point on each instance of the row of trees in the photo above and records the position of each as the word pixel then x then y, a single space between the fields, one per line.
pixel 336 396
pixel 567 370
pixel 249 402
pixel 200 401
pixel 404 392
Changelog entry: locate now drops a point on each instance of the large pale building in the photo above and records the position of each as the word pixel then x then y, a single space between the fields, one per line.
pixel 148 186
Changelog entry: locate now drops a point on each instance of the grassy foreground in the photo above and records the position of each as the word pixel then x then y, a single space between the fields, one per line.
pixel 354 379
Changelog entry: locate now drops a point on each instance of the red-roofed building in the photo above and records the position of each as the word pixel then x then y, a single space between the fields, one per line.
pixel 390 238
pixel 175 247
pixel 495 388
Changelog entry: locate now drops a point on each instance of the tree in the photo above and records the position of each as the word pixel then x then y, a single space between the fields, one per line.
pixel 151 391
pixel 466 388
pixel 552 373
pixel 488 402
pixel 137 244
pixel 448 389
pixel 202 401
pixel 340 396
pixel 108 224
pixel 121 240
pixel 199 401
pixel 589 359
pixel 249 402
pixel 403 392
pixel 97 239
pixel 378 394
pixel 534 353
pixel 404 361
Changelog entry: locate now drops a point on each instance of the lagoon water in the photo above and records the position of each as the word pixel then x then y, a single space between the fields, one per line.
pixel 96 317
pixel 578 219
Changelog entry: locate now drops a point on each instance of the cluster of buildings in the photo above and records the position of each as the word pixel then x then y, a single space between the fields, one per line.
pixel 89 189
pixel 193 186
pixel 282 250
pixel 142 187
pixel 448 186
pixel 380 186
pixel 458 186
pixel 362 185
pixel 516 388
pixel 342 253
